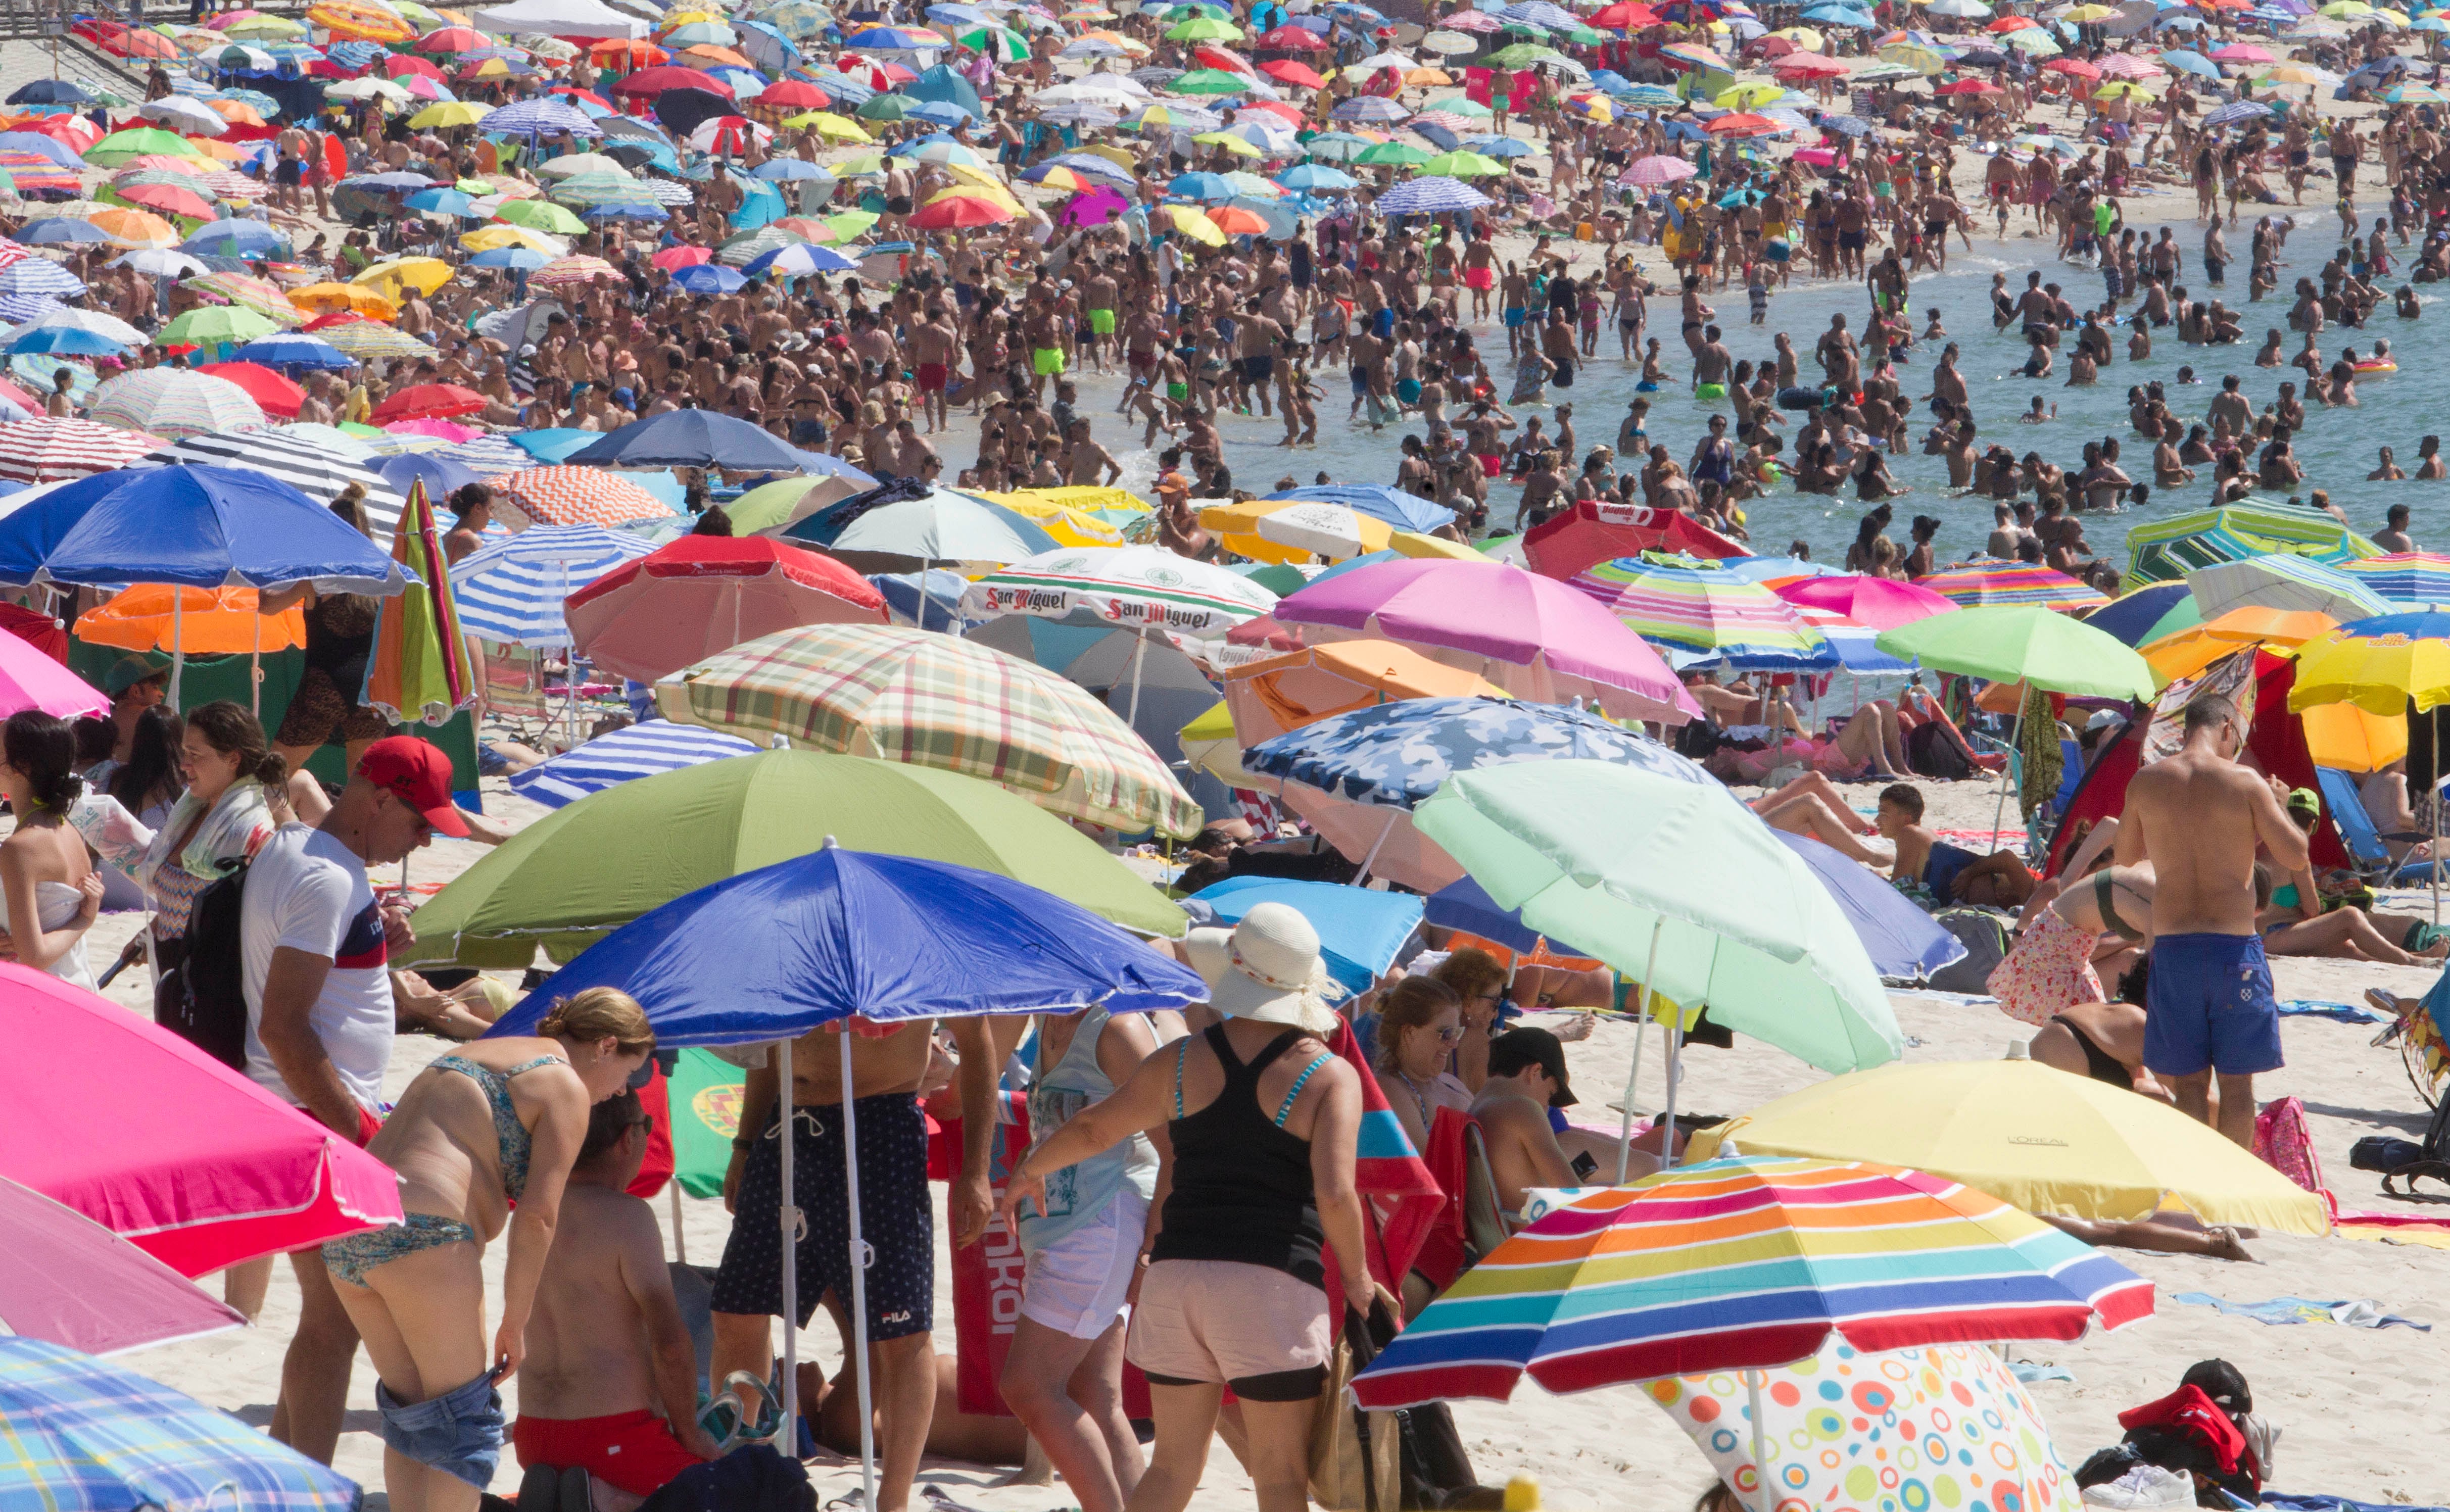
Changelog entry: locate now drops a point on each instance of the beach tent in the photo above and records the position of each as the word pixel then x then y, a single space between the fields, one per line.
pixel 2166 551
pixel 941 84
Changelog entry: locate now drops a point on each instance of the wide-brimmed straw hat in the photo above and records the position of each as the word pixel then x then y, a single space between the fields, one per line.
pixel 1268 967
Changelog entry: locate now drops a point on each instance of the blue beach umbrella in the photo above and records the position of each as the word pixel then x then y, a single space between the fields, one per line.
pixel 798 259
pixel 527 259
pixel 65 340
pixel 291 349
pixel 195 527
pixel 1904 942
pixel 1359 931
pixel 608 760
pixel 1405 511
pixel 60 231
pixel 708 277
pixel 693 438
pixel 441 476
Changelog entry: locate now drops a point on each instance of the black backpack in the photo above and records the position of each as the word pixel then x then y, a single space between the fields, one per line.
pixel 204 1000
pixel 1933 752
pixel 2404 1160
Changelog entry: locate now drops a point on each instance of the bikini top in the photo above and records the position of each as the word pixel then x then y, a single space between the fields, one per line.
pixel 513 1133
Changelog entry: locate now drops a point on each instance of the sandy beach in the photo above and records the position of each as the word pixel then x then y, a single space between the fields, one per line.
pixel 2353 1405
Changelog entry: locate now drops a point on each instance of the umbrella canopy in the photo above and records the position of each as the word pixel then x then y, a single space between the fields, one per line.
pixel 1699 608
pixel 174 401
pixel 306 463
pixel 1270 697
pixel 2285 582
pixel 2134 618
pixel 940 527
pixel 1128 586
pixel 926 698
pixel 2381 664
pixel 2411 577
pixel 2024 644
pixel 1538 639
pixel 2163 550
pixel 1358 777
pixel 2033 1135
pixel 887 939
pixel 208 1171
pixel 1360 931
pixel 703 594
pixel 576 495
pixel 548 887
pixel 72 1282
pixel 624 755
pixel 31 679
pixel 199 527
pixel 44 451
pixel 83 1433
pixel 1905 944
pixel 1744 1264
pixel 512 590
pixel 1619 862
pixel 2183 654
pixel 1996 583
pixel 200 621
pixel 694 439
pixel 1879 601
pixel 1290 530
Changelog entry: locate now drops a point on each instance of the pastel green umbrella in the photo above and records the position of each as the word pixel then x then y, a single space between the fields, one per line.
pixel 785 501
pixel 1458 105
pixel 1678 887
pixel 541 215
pixel 547 885
pixel 1523 54
pixel 1209 81
pixel 1203 28
pixel 213 325
pixel 1460 166
pixel 139 141
pixel 2024 643
pixel 884 107
pixel 1399 154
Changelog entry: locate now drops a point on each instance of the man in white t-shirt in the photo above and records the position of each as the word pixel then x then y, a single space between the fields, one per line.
pixel 319 1014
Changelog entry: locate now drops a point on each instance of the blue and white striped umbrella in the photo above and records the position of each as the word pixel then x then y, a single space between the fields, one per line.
pixel 1428 197
pixel 40 276
pixel 540 118
pixel 486 456
pixel 641 750
pixel 512 592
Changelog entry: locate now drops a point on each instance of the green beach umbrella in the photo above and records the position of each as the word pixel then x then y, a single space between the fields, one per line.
pixel 548 884
pixel 541 215
pixel 1203 28
pixel 1209 81
pixel 2016 643
pixel 884 107
pixel 1679 886
pixel 1459 105
pixel 1000 42
pixel 1460 165
pixel 214 325
pixel 1523 54
pixel 1398 154
pixel 773 506
pixel 139 141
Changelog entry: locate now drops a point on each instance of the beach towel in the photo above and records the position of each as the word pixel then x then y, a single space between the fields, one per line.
pixel 2316 1008
pixel 2299 1502
pixel 2363 1313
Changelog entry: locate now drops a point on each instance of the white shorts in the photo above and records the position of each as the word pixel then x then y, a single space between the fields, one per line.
pixel 1077 1285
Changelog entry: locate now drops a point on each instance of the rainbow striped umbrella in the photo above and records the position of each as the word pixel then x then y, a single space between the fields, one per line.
pixel 2409 577
pixel 1688 605
pixel 1748 1263
pixel 420 668
pixel 1993 582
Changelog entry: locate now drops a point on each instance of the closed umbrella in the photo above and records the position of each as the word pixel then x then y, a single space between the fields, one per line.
pixel 923 697
pixel 419 672
pixel 703 594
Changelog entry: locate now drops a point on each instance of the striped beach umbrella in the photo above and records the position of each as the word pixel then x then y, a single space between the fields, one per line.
pixel 2410 577
pixel 1743 1265
pixel 576 495
pixel 512 590
pixel 1126 585
pixel 641 750
pixel 926 698
pixel 175 402
pixel 1689 606
pixel 365 340
pixel 305 463
pixel 421 670
pixel 2284 582
pixel 1990 583
pixel 45 451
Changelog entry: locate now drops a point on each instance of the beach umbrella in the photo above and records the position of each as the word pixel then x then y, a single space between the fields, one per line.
pixel 43 451
pixel 209 1171
pixel 207 621
pixel 2410 577
pixel 941 527
pixel 929 699
pixel 419 672
pixel 576 495
pixel 2185 652
pixel 275 395
pixel 1359 777
pixel 1995 583
pixel 2024 644
pixel 2381 665
pixel 74 1283
pixel 546 886
pixel 1739 1264
pixel 31 678
pixel 1269 697
pixel 512 590
pixel 1360 932
pixel 214 326
pixel 2032 1135
pixel 770 508
pixel 694 439
pixel 1878 602
pixel 1654 171
pixel 1429 196
pixel 2146 613
pixel 2283 581
pixel 1290 530
pixel 703 594
pixel 1957 1404
pixel 1697 608
pixel 840 931
pixel 624 755
pixel 290 350
pixel 87 1433
pixel 1539 639
pixel 310 465
pixel 427 401
pixel 1134 587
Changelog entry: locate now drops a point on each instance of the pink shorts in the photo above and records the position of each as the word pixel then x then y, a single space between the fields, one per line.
pixel 1258 1331
pixel 1481 278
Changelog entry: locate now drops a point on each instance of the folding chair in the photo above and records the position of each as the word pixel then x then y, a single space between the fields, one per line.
pixel 2368 849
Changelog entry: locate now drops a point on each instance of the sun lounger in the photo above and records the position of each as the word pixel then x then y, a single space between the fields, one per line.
pixel 2366 846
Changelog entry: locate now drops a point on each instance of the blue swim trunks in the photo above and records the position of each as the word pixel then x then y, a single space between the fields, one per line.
pixel 1513 316
pixel 2211 1007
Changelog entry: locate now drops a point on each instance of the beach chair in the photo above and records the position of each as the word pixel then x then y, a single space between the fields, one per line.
pixel 2367 847
pixel 1483 1222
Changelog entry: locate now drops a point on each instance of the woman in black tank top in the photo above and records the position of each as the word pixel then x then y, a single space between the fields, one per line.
pixel 1259 1120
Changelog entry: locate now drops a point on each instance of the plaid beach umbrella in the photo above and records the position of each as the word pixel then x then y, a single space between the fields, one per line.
pixel 576 495
pixel 85 1433
pixel 608 760
pixel 1990 583
pixel 1746 1263
pixel 512 590
pixel 1126 585
pixel 421 670
pixel 44 451
pixel 926 698
pixel 174 403
pixel 2408 577
pixel 1699 608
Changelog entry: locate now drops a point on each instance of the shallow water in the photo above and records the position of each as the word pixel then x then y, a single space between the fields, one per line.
pixel 2337 448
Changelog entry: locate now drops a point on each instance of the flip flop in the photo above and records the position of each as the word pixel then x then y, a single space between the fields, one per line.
pixel 942 1501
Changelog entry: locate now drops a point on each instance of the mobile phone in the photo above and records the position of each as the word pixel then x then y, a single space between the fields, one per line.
pixel 1585 1164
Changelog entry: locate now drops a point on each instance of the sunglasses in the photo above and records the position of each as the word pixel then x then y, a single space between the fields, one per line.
pixel 1448 1036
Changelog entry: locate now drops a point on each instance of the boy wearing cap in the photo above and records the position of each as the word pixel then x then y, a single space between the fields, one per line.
pixel 314 945
pixel 1527 1078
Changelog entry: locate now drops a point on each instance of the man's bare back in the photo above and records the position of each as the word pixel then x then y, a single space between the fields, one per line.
pixel 2197 816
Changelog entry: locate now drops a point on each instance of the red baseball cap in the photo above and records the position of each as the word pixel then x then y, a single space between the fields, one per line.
pixel 420 775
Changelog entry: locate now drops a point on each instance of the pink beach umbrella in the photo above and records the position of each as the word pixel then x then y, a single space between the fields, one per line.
pixel 28 679
pixel 162 1144
pixel 71 1281
pixel 443 429
pixel 1537 638
pixel 1878 602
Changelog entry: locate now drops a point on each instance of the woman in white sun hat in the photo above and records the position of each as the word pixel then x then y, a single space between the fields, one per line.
pixel 1262 1120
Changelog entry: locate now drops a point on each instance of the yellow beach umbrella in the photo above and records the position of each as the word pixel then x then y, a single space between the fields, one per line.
pixel 1412 543
pixel 501 234
pixel 1230 142
pixel 1069 525
pixel 830 126
pixel 1294 530
pixel 2379 665
pixel 425 275
pixel 1745 96
pixel 2289 74
pixel 1210 745
pixel 329 299
pixel 1194 222
pixel 451 113
pixel 1804 37
pixel 2353 739
pixel 2031 1134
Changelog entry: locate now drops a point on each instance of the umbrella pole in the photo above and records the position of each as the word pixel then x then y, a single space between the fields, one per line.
pixel 254 669
pixel 1624 1130
pixel 858 1283
pixel 1675 1056
pixel 2007 776
pixel 178 652
pixel 1760 1441
pixel 680 1235
pixel 1139 654
pixel 1361 877
pixel 789 1209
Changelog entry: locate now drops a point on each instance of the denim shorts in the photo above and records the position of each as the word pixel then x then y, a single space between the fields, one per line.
pixel 458 1432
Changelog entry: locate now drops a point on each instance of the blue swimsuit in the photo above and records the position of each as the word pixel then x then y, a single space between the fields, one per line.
pixel 350 1258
